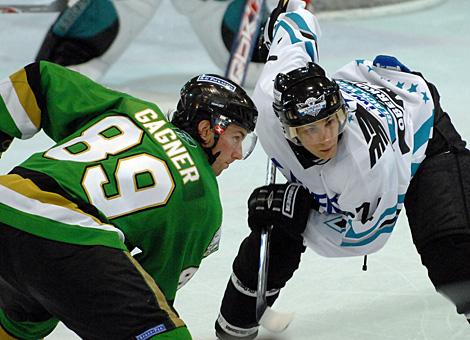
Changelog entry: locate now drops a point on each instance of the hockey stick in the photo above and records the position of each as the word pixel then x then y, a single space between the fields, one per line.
pixel 243 44
pixel 261 303
pixel 270 319
pixel 54 6
pixel 240 56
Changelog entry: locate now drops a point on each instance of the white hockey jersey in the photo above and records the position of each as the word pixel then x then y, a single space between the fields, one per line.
pixel 361 189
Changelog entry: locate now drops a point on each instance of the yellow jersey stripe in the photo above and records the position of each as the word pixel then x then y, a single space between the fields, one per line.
pixel 162 302
pixel 5 336
pixel 26 96
pixel 22 194
pixel 16 110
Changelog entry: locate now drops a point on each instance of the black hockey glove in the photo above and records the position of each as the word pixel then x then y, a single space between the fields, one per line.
pixel 285 206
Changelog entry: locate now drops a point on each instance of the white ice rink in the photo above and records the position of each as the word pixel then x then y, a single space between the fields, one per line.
pixel 333 298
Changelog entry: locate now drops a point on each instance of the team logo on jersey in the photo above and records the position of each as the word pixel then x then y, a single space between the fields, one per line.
pixel 391 106
pixel 214 245
pixel 216 80
pixel 312 106
pixel 186 137
pixel 374 134
pixel 385 104
pixel 151 332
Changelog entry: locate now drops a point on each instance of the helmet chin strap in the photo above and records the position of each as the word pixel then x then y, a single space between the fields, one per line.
pixel 210 156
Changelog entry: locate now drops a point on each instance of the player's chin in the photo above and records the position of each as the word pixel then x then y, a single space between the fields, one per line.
pixel 218 168
pixel 327 153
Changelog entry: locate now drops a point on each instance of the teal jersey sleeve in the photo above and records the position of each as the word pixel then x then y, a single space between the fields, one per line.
pixel 120 175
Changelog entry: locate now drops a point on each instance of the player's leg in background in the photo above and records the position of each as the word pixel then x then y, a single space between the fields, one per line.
pixel 80 33
pixel 217 30
pixel 438 208
pixel 440 226
pixel 237 317
pixel 91 35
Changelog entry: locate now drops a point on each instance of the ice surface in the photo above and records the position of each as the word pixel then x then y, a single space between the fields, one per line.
pixel 333 299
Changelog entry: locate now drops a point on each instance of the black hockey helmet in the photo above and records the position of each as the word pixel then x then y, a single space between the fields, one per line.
pixel 219 100
pixel 304 96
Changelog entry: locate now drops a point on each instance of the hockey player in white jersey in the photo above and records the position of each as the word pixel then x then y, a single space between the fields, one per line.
pixel 355 148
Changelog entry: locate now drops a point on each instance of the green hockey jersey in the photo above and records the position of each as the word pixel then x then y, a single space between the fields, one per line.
pixel 119 175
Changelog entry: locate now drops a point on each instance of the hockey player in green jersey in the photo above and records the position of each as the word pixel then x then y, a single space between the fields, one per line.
pixel 120 178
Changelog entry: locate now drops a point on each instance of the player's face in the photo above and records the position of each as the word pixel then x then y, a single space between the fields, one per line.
pixel 230 147
pixel 320 138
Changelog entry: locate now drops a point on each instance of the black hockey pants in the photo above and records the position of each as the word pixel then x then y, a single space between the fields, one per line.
pixel 438 208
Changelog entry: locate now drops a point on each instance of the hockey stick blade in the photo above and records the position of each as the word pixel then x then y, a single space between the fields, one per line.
pixel 274 321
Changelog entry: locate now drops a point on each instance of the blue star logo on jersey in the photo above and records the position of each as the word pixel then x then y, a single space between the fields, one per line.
pixel 359 61
pixel 400 85
pixel 425 97
pixel 413 88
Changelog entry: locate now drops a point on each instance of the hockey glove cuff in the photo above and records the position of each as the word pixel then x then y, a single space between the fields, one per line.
pixel 281 7
pixel 286 206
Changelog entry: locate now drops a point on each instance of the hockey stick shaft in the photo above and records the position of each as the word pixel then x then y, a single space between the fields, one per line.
pixel 54 6
pixel 237 67
pixel 270 319
pixel 244 42
pixel 261 302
